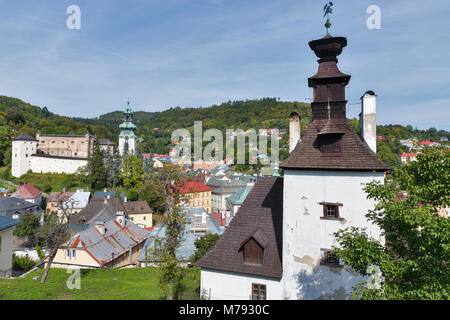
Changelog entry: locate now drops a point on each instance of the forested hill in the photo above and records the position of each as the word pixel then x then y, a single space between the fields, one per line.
pixel 156 127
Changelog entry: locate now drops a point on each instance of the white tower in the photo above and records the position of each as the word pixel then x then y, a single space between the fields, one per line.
pixel 23 147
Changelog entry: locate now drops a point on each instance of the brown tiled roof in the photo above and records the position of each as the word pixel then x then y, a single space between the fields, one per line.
pixel 136 207
pixel 260 217
pixel 355 154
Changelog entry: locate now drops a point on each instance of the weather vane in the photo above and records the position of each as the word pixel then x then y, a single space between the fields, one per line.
pixel 327 10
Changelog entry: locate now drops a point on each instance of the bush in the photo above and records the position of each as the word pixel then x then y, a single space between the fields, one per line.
pixel 22 263
pixel 47 188
pixel 132 195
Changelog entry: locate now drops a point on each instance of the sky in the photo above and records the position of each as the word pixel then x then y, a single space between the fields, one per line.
pixel 197 53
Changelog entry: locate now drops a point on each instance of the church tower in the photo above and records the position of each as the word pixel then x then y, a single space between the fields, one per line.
pixel 127 137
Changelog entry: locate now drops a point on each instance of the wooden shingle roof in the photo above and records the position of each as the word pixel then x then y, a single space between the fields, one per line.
pixel 355 154
pixel 260 216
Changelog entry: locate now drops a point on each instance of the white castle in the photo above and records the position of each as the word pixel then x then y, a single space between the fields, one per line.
pixel 55 153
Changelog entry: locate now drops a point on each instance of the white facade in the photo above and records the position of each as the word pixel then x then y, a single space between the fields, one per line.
pixel 305 234
pixel 56 165
pixel 24 158
pixel 21 156
pixel 131 145
pixel 223 285
pixel 6 246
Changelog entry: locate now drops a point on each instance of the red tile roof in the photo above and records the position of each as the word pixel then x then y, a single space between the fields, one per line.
pixel 218 218
pixel 27 191
pixel 409 154
pixel 194 186
pixel 426 142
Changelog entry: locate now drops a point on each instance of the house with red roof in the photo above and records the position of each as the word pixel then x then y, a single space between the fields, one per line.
pixel 407 157
pixel 197 194
pixel 28 192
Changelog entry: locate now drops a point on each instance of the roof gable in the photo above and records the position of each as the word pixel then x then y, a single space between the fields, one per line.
pixel 260 217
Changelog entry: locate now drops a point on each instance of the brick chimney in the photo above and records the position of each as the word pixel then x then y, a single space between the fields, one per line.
pixel 367 119
pixel 294 130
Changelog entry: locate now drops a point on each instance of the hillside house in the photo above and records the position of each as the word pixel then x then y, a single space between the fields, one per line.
pixel 112 244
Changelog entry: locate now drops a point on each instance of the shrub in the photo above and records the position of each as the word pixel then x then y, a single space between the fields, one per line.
pixel 22 263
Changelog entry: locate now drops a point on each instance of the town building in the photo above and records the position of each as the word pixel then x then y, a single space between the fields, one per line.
pixel 198 223
pixel 28 192
pixel 197 194
pixel 139 212
pixel 6 245
pixel 68 202
pixel 222 188
pixel 51 153
pixel 57 153
pixel 408 156
pixel 278 245
pixel 104 209
pixel 112 244
pixel 69 145
pixel 235 201
pixel 14 208
pixel 4 192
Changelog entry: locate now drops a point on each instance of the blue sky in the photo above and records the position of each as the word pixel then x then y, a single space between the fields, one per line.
pixel 191 53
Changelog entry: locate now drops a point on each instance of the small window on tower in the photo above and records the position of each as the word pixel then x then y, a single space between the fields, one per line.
pixel 330 259
pixel 331 211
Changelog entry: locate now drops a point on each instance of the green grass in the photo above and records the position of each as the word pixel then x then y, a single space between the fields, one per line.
pixel 56 182
pixel 97 284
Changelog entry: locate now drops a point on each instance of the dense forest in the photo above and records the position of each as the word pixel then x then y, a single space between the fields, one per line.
pixel 155 128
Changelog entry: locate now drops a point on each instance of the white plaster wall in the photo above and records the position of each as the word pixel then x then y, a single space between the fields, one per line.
pixel 368 126
pixel 21 157
pixel 223 285
pixel 6 251
pixel 53 165
pixel 304 233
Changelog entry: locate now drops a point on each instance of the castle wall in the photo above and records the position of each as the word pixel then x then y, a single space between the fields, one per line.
pixel 45 164
pixel 66 145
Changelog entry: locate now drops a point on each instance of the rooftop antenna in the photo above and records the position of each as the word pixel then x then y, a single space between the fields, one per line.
pixel 327 10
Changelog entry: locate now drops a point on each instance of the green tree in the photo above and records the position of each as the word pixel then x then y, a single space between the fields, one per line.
pixel 96 169
pixel 28 227
pixel 131 172
pixel 171 180
pixel 203 245
pixel 414 262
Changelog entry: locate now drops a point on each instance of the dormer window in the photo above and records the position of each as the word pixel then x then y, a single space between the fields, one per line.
pixel 253 252
pixel 329 138
pixel 330 144
pixel 253 248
